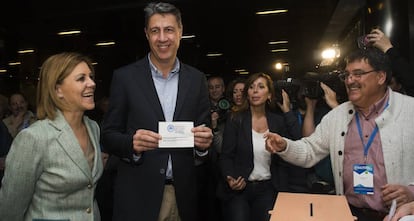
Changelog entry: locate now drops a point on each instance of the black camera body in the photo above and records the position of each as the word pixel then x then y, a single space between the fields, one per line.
pixel 223 105
pixel 309 86
pixel 312 89
pixel 290 85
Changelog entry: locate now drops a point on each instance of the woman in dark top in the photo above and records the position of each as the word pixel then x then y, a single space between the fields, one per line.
pixel 253 176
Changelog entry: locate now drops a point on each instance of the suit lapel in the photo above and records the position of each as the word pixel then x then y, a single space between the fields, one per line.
pixel 273 127
pixel 184 83
pixel 247 129
pixel 146 83
pixel 70 145
pixel 97 165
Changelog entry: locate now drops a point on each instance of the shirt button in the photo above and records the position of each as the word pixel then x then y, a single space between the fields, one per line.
pixel 88 210
pixel 343 133
pixel 89 186
pixel 340 153
pixel 350 111
pixel 162 171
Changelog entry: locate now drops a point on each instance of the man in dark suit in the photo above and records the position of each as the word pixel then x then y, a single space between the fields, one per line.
pixel 156 183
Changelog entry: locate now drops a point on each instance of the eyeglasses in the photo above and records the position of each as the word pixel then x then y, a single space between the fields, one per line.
pixel 355 75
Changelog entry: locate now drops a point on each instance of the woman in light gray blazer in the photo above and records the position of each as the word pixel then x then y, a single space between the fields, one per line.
pixel 53 166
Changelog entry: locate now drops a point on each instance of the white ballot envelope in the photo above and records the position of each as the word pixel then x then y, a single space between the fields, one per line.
pixel 176 134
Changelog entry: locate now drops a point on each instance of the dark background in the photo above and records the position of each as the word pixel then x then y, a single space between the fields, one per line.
pixel 229 27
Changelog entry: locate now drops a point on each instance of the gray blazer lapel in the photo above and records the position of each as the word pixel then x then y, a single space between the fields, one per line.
pixel 70 145
pixel 94 137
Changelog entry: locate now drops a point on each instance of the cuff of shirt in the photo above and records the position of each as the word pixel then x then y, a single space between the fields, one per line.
pixel 136 157
pixel 201 153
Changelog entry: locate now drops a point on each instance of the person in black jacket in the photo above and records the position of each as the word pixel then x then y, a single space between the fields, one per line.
pixel 252 175
pixel 155 183
pixel 5 143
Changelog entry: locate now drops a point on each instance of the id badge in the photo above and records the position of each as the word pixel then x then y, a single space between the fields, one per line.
pixel 363 178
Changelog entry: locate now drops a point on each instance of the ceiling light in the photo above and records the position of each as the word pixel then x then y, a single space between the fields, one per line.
pixel 187 36
pixel 15 63
pixel 279 50
pixel 94 63
pixel 108 43
pixel 214 54
pixel 243 72
pixel 69 32
pixel 278 66
pixel 240 70
pixel 25 51
pixel 277 42
pixel 269 12
pixel 3 70
pixel 328 53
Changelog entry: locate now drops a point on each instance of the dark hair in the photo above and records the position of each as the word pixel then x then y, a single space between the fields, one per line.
pixel 269 83
pixel 231 85
pixel 374 57
pixel 161 8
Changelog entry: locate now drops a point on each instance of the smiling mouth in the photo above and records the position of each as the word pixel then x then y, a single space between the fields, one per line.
pixel 91 94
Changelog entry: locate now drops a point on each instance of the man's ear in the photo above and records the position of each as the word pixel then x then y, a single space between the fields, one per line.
pixel 382 77
pixel 146 33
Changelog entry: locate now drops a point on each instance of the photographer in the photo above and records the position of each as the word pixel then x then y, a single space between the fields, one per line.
pixel 208 171
pixel 312 98
pixel 322 181
pixel 219 106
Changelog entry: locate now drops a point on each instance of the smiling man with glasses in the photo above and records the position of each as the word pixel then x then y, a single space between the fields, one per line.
pixel 369 138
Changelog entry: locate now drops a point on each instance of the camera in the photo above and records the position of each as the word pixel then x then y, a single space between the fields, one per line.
pixel 223 105
pixel 309 86
pixel 363 42
pixel 290 85
pixel 312 87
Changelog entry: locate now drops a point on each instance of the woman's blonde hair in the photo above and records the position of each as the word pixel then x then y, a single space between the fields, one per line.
pixel 52 73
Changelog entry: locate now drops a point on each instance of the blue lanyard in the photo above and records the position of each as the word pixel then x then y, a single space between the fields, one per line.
pixel 371 137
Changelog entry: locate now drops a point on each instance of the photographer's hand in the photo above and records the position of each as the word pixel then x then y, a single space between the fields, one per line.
pixel 379 40
pixel 330 96
pixel 214 119
pixel 285 107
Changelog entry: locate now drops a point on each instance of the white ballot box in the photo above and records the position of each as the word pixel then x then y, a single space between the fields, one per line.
pixel 310 207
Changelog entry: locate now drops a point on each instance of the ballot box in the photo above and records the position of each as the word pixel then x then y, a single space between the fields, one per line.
pixel 310 207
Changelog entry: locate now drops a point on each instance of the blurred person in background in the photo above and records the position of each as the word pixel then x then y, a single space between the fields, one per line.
pixel 5 143
pixel 4 107
pixel 21 117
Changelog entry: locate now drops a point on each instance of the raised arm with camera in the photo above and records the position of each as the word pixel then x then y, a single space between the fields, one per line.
pixel 401 68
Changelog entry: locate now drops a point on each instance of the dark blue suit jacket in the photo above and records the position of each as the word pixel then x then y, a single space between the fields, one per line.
pixel 133 105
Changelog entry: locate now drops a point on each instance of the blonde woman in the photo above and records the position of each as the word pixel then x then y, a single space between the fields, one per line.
pixel 53 166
